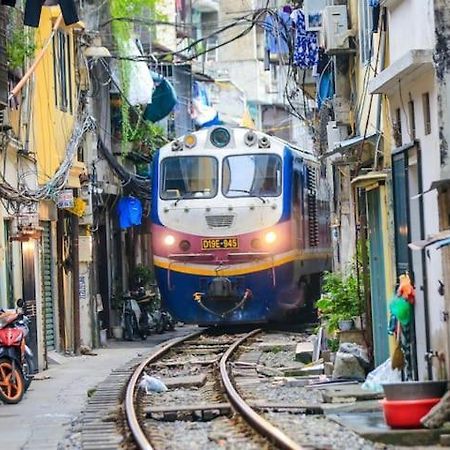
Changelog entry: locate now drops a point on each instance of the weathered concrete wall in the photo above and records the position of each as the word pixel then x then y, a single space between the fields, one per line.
pixel 442 62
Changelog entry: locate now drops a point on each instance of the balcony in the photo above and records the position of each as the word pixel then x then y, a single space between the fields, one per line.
pixel 409 67
pixel 206 6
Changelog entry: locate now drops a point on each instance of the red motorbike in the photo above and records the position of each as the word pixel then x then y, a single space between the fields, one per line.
pixel 16 359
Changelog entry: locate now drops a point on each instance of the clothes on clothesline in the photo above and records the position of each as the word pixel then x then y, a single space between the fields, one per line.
pixel 306 47
pixel 277 32
pixel 129 210
pixel 33 8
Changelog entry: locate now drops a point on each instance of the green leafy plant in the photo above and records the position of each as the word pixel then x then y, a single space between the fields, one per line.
pixel 340 298
pixel 147 136
pixel 20 45
pixel 143 275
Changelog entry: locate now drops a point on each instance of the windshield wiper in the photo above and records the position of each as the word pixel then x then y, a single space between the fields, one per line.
pixel 182 197
pixel 249 193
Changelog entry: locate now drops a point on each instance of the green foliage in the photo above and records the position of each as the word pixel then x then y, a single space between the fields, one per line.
pixel 142 276
pixel 341 298
pixel 123 31
pixel 147 135
pixel 19 46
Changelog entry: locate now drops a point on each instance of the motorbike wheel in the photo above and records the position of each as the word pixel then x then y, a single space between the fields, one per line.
pixel 12 383
pixel 128 328
pixel 27 370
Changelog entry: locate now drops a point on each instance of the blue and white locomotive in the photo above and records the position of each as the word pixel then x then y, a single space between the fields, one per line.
pixel 240 227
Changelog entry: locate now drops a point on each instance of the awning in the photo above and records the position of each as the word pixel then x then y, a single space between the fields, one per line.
pixel 440 239
pixel 369 179
pixel 434 185
pixel 351 143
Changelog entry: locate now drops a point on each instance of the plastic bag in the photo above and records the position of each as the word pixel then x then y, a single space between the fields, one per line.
pixel 140 89
pixel 384 373
pixel 152 384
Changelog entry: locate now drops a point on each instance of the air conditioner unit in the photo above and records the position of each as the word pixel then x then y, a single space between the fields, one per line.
pixel 335 25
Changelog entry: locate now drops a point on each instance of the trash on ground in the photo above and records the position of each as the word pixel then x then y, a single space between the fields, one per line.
pixel 384 373
pixel 152 384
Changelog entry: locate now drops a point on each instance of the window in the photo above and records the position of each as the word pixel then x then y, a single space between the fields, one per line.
pixel 412 120
pixel 189 177
pixel 398 128
pixel 426 113
pixel 62 62
pixel 365 31
pixel 252 175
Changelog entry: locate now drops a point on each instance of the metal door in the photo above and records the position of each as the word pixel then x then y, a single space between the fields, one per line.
pixel 377 277
pixel 47 286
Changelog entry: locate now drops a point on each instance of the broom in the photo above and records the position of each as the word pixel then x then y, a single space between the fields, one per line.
pixel 398 358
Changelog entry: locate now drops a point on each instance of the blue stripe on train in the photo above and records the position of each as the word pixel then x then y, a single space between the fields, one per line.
pixel 267 302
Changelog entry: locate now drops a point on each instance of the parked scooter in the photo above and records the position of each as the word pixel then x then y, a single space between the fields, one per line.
pixel 134 320
pixel 16 359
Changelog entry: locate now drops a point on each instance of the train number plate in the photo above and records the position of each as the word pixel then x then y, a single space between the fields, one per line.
pixel 217 244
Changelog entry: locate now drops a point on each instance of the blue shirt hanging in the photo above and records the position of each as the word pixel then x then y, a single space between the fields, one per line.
pixel 129 210
pixel 277 32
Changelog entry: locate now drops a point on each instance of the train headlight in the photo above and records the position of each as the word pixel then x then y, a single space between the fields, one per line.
pixel 185 245
pixel 189 141
pixel 220 137
pixel 270 237
pixel 169 240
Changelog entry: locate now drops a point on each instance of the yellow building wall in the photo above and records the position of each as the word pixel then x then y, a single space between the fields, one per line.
pixel 362 73
pixel 51 127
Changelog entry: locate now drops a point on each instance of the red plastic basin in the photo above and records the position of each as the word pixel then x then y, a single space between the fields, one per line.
pixel 406 413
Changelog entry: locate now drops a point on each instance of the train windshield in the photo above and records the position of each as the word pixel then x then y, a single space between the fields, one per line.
pixel 189 177
pixel 252 175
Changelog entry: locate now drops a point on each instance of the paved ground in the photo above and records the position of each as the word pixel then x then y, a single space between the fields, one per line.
pixel 59 394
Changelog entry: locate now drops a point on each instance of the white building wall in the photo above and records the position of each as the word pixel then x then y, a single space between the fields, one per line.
pixel 411 26
pixel 429 145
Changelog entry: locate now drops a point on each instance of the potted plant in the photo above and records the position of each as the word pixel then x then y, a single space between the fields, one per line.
pixel 340 300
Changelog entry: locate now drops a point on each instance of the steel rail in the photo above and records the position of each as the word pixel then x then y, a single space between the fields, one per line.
pixel 265 428
pixel 136 430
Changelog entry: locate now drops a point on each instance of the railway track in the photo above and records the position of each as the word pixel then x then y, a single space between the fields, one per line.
pixel 224 399
pixel 222 394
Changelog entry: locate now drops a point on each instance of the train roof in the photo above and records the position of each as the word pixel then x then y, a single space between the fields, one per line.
pixel 306 154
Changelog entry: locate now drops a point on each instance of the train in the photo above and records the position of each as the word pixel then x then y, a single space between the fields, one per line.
pixel 240 227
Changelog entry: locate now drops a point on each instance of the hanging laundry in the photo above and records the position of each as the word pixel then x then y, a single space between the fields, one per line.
pixel 277 31
pixel 33 8
pixel 129 210
pixel 325 87
pixel 306 48
pixel 203 113
pixel 164 99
